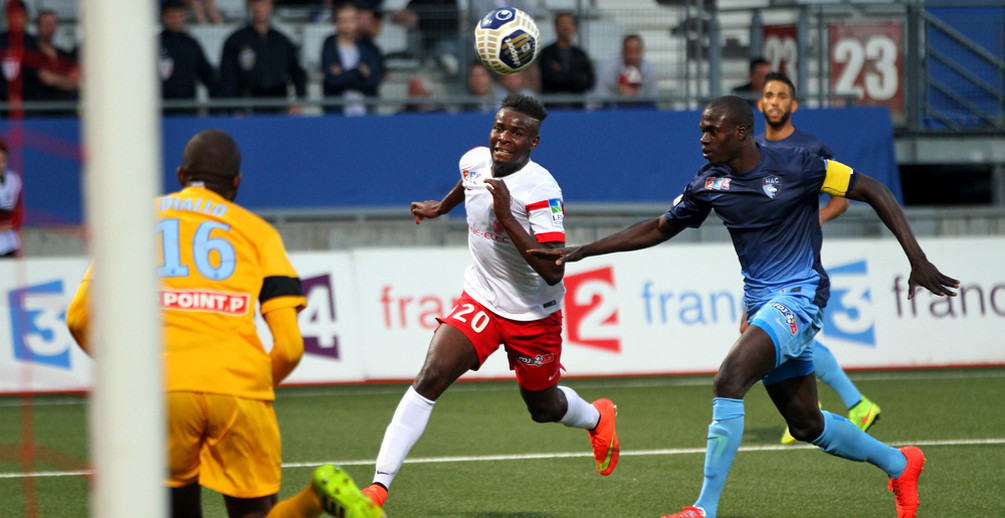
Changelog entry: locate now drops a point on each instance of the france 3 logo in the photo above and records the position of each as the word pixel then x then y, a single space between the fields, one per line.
pixel 849 315
pixel 38 324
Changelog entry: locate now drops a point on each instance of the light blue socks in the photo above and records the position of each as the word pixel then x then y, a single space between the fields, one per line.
pixel 843 439
pixel 828 370
pixel 724 435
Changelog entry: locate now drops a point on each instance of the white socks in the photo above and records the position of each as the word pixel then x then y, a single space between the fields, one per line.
pixel 412 415
pixel 406 427
pixel 580 414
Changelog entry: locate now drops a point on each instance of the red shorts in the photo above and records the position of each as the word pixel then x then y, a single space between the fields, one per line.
pixel 534 347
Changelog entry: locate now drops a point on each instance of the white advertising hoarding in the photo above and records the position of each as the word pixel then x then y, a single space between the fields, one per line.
pixel 671 309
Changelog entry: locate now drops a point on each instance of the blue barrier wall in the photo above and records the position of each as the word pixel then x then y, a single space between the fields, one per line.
pixel 305 163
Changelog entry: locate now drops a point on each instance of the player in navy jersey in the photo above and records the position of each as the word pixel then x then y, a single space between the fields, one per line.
pixel 510 298
pixel 777 103
pixel 768 200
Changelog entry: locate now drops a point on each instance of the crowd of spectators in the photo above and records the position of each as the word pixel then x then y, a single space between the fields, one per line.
pixel 34 68
pixel 260 61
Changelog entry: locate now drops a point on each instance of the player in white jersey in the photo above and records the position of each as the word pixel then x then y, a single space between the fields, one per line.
pixel 510 298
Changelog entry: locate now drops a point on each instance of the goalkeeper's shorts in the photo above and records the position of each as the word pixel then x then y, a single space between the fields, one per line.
pixel 225 443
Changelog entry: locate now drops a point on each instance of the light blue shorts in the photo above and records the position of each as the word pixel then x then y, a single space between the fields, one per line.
pixel 791 322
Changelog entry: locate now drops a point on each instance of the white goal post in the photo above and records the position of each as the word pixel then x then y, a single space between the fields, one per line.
pixel 121 129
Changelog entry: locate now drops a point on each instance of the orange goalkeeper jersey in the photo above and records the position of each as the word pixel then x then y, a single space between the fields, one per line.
pixel 217 260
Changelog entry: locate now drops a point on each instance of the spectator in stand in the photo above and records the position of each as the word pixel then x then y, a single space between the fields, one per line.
pixel 629 75
pixel 16 47
pixel 52 74
pixel 480 89
pixel 351 69
pixel 370 20
pixel 565 68
pixel 438 22
pixel 419 92
pixel 182 60
pixel 260 62
pixel 205 11
pixel 11 207
pixel 515 83
pixel 759 69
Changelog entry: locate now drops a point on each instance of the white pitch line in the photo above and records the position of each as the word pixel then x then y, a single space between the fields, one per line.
pixel 538 456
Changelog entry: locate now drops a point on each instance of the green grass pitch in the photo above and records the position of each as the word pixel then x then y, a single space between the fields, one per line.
pixel 482 456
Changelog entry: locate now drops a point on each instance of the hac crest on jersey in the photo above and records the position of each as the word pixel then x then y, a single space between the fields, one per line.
pixel 771 184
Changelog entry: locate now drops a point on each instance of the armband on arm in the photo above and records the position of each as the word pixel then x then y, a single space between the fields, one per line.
pixel 838 179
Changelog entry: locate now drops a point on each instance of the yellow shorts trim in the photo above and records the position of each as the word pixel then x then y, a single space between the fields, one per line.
pixel 225 443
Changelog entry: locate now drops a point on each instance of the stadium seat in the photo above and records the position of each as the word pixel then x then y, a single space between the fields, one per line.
pixel 211 37
pixel 601 39
pixel 393 38
pixel 66 10
pixel 563 5
pixel 314 35
pixel 546 26
pixel 232 10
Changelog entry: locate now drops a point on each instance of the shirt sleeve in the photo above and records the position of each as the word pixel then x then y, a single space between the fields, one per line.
pixel 281 286
pixel 546 214
pixel 689 209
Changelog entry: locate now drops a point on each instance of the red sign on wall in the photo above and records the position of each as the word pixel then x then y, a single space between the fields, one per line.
pixel 867 63
pixel 781 49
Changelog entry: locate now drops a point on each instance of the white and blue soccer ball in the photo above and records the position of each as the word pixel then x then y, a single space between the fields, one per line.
pixel 507 40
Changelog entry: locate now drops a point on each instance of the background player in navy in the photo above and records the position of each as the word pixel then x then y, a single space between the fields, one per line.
pixel 777 103
pixel 768 199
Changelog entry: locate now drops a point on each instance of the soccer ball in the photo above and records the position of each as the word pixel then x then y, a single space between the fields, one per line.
pixel 506 40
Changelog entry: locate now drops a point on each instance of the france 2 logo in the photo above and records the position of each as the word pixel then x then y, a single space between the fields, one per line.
pixel 848 316
pixel 591 309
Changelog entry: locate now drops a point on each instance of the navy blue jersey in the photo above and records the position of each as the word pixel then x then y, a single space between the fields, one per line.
pixel 771 214
pixel 798 139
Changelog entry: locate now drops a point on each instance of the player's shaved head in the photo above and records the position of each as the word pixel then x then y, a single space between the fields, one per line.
pixel 212 156
pixel 734 108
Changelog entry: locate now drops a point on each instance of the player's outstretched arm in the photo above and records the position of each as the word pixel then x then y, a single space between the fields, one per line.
pixel 287 344
pixel 78 315
pixel 643 234
pixel 431 208
pixel 923 272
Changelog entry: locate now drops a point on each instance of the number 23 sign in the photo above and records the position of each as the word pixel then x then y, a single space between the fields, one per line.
pixel 867 63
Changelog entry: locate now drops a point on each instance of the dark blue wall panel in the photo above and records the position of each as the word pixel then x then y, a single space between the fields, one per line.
pixel 305 163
